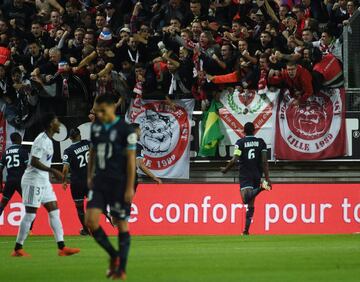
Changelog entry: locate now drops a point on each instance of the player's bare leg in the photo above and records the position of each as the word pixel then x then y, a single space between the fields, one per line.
pixel 124 246
pixel 25 225
pixel 56 226
pixel 92 219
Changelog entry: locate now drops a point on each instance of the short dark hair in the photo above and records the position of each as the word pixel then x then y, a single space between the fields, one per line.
pixel 16 70
pixel 30 42
pixel 74 132
pixel 266 32
pixel 249 128
pixel 47 119
pixel 140 66
pixel 105 99
pixel 16 138
pixel 264 56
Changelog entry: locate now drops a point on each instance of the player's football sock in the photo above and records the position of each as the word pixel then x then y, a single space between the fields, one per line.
pixel 56 225
pixel 81 214
pixel 249 216
pixel 25 227
pixel 61 245
pixel 18 246
pixel 124 246
pixel 32 225
pixel 102 239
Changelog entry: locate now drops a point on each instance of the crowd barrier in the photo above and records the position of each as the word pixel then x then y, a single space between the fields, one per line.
pixel 214 209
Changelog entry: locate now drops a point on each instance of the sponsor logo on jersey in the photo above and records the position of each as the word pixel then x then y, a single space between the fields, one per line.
pixel 113 135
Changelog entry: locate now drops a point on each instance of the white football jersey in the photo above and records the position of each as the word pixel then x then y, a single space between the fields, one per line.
pixel 42 149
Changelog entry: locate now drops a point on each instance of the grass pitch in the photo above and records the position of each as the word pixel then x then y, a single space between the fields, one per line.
pixel 192 258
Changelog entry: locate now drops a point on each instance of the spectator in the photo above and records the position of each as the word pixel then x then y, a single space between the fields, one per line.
pixel 297 79
pixel 172 9
pixel 232 42
pixel 329 44
pixel 177 78
pixel 55 21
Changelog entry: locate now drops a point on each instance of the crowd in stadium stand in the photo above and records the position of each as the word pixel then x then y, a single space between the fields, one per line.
pixel 56 51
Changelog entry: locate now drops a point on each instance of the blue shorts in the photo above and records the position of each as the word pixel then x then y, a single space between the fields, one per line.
pixel 249 183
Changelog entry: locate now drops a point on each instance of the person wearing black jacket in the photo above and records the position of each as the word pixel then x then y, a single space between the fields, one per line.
pixel 196 13
pixel 178 79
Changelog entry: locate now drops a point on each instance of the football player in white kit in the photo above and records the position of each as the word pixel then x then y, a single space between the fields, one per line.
pixel 37 189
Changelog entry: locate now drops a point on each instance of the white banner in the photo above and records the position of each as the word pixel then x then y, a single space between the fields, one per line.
pixel 248 106
pixel 165 135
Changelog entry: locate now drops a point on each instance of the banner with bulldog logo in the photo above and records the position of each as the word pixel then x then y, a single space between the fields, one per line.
pixel 314 131
pixel 165 135
pixel 254 106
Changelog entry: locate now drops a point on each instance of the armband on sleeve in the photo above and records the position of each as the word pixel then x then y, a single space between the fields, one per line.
pixel 237 151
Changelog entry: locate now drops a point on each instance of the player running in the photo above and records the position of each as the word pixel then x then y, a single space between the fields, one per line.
pixel 37 189
pixel 251 153
pixel 75 159
pixel 140 158
pixel 111 180
pixel 14 160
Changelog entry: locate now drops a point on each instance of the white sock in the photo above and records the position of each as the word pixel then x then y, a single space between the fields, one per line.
pixel 25 227
pixel 56 225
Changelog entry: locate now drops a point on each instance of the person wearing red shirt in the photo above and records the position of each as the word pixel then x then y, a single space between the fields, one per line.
pixel 297 79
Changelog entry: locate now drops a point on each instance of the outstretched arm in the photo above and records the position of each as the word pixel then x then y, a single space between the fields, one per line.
pixel 229 165
pixel 144 168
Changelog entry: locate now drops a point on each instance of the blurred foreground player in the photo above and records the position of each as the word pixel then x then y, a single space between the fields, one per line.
pixel 14 160
pixel 111 180
pixel 37 189
pixel 75 159
pixel 251 153
pixel 140 158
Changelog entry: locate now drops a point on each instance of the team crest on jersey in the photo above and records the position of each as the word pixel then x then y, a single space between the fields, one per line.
pixel 313 127
pixel 164 134
pixel 113 135
pixel 96 129
pixel 247 106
